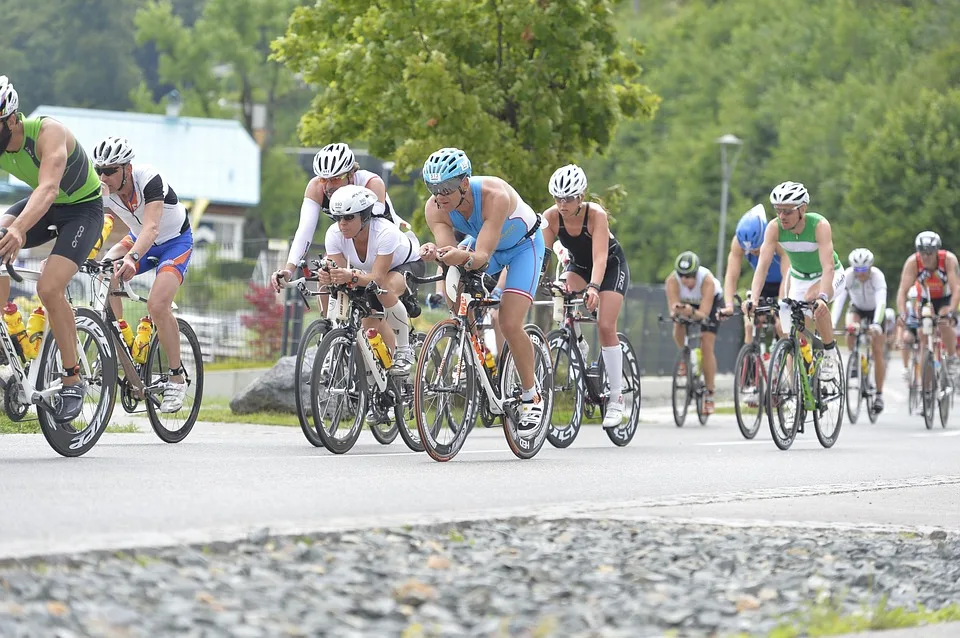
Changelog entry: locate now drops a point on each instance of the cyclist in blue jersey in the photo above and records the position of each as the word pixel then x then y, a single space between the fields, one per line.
pixel 746 243
pixel 506 235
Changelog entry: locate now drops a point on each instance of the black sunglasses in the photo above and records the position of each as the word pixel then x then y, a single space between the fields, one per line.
pixel 346 218
pixel 106 171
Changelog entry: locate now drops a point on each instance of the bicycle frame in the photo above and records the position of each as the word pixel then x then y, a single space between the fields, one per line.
pixel 468 302
pixel 568 316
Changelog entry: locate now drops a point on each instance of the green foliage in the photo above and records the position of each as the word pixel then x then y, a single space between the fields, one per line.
pixel 828 619
pixel 523 87
pixel 282 183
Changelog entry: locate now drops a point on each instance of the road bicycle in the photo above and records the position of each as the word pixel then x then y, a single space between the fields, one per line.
pixel 861 379
pixel 750 370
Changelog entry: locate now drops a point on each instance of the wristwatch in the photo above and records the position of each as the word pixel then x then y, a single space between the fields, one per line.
pixel 355 279
pixel 134 255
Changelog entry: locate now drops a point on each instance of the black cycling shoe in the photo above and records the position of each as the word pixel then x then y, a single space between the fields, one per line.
pixel 70 402
pixel 877 404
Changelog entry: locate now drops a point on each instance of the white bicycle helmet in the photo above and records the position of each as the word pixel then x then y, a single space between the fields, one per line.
pixel 333 160
pixel 861 259
pixel 113 151
pixel 353 200
pixel 789 193
pixel 9 100
pixel 928 241
pixel 568 181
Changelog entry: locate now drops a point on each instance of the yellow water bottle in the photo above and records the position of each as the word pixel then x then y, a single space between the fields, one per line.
pixel 35 325
pixel 107 227
pixel 141 342
pixel 14 321
pixel 379 347
pixel 699 360
pixel 489 360
pixel 806 352
pixel 126 331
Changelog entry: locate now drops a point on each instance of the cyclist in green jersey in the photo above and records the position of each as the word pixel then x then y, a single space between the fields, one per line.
pixel 66 196
pixel 808 241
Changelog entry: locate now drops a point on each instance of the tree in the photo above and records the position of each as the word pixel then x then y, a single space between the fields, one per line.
pixel 523 87
pixel 908 179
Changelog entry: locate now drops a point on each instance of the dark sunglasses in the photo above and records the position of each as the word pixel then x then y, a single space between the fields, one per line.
pixel 445 187
pixel 346 218
pixel 106 171
pixel 566 200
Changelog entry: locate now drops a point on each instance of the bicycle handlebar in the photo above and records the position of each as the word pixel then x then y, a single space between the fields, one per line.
pixel 13 273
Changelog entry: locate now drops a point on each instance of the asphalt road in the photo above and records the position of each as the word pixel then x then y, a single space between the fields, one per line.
pixel 226 481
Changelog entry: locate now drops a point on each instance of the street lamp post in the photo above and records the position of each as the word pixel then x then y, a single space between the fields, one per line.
pixel 725 141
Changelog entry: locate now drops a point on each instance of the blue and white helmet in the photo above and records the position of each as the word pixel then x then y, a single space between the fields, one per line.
pixel 750 228
pixel 446 164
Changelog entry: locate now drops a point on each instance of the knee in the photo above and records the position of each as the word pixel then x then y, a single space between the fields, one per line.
pixel 607 330
pixel 50 292
pixel 157 307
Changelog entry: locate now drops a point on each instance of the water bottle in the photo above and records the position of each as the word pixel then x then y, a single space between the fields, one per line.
pixel 126 331
pixel 141 342
pixel 107 227
pixel 584 347
pixel 807 353
pixel 379 348
pixel 696 359
pixel 35 325
pixel 14 321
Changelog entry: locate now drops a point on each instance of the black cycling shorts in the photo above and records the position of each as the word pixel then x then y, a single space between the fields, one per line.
pixel 616 277
pixel 417 268
pixel 712 322
pixel 78 227
pixel 771 289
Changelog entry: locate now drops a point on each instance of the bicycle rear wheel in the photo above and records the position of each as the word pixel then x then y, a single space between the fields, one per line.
pixel 929 389
pixel 946 395
pixel 406 418
pixel 748 390
pixel 870 393
pixel 444 398
pixel 623 434
pixel 568 388
pixel 98 367
pixel 175 426
pixel 510 386
pixel 785 403
pixel 829 396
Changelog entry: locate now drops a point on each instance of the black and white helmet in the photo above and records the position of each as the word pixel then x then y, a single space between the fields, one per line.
pixel 333 160
pixel 928 241
pixel 352 200
pixel 113 151
pixel 568 181
pixel 790 193
pixel 9 100
pixel 861 259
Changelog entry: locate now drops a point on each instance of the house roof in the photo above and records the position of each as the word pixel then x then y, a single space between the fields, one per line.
pixel 202 158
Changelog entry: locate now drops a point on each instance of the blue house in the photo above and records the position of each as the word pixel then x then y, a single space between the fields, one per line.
pixel 212 164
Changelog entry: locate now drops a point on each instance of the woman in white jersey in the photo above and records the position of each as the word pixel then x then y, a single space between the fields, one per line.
pixel 866 287
pixel 159 229
pixel 694 292
pixel 364 249
pixel 335 166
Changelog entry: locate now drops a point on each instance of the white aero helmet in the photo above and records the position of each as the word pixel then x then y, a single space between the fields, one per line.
pixel 568 181
pixel 790 193
pixel 333 160
pixel 928 241
pixel 861 259
pixel 353 200
pixel 113 151
pixel 9 100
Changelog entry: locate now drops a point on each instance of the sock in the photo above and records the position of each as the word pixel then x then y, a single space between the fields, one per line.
pixel 613 364
pixel 830 346
pixel 528 395
pixel 396 318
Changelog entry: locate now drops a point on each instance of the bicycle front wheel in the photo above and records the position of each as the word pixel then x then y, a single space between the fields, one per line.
pixel 406 419
pixel 98 367
pixel 929 389
pixel 303 372
pixel 682 386
pixel 785 403
pixel 444 398
pixel 173 427
pixel 854 389
pixel 338 400
pixel 568 387
pixel 945 398
pixel 623 433
pixel 829 395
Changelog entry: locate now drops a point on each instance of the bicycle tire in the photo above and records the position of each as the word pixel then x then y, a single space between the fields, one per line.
pixel 854 373
pixel 622 434
pixel 339 347
pixel 66 439
pixel 929 389
pixel 680 394
pixel 783 427
pixel 569 383
pixel 818 416
pixel 527 448
pixel 303 373
pixel 748 368
pixel 947 398
pixel 154 356
pixel 404 410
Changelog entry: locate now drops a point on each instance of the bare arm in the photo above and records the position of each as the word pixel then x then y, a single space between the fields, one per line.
pixel 734 263
pixel 908 277
pixel 549 228
pixel 601 243
pixel 52 151
pixel 439 225
pixel 151 227
pixel 771 237
pixel 673 292
pixel 708 290
pixel 953 278
pixel 824 237
pixel 784 270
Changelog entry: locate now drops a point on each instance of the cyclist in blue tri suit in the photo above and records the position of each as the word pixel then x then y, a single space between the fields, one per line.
pixel 746 243
pixel 506 235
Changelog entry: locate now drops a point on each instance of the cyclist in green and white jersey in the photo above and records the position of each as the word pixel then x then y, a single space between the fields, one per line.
pixel 808 241
pixel 45 155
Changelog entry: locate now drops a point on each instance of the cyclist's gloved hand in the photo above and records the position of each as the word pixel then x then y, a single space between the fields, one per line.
pixel 496 293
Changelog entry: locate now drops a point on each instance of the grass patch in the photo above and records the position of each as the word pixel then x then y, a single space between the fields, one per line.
pixel 238 364
pixel 30 425
pixel 221 413
pixel 827 619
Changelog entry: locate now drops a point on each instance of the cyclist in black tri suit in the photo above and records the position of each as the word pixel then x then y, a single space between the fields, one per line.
pixel 597 266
